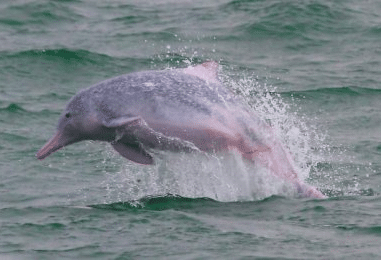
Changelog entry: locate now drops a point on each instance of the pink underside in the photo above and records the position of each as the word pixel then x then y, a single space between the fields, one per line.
pixel 274 156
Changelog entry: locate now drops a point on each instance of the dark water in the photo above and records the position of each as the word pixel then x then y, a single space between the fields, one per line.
pixel 310 68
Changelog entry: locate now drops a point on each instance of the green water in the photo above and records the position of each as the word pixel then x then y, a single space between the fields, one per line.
pixel 310 68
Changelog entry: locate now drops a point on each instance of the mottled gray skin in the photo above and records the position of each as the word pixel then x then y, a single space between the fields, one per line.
pixel 168 110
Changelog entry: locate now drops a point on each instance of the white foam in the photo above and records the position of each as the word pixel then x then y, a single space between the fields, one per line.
pixel 223 177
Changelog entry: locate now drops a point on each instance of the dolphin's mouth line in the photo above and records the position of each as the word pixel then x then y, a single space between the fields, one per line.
pixel 51 146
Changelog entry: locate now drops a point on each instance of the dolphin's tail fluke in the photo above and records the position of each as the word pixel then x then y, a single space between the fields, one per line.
pixel 305 190
pixel 280 163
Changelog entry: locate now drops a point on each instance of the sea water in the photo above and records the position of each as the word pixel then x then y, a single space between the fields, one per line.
pixel 309 69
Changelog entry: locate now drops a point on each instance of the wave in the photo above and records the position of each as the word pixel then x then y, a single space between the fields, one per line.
pixel 37 12
pixel 16 108
pixel 67 55
pixel 72 60
pixel 177 202
pixel 13 108
pixel 165 202
pixel 338 91
pixel 375 230
pixel 289 19
pixel 340 193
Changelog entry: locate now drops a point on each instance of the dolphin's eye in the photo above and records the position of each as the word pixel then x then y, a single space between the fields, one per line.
pixel 67 115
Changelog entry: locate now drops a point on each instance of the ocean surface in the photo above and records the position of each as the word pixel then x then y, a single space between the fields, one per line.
pixel 311 69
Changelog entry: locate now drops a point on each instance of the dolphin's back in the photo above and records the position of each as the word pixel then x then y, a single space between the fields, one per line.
pixel 155 94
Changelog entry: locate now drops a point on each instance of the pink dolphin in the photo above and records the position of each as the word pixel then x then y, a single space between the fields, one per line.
pixel 176 110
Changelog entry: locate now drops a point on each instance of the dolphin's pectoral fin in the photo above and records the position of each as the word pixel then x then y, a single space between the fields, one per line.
pixel 129 149
pixel 133 152
pixel 122 121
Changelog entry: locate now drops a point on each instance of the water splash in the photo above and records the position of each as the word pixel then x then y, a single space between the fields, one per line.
pixel 223 177
pixel 289 129
pixel 316 159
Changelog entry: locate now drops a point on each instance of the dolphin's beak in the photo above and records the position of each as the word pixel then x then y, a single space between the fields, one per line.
pixel 54 144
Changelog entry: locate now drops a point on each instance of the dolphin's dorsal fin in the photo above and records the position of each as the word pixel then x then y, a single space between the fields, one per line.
pixel 206 71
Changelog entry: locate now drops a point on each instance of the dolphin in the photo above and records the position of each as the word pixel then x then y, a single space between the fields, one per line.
pixel 175 110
